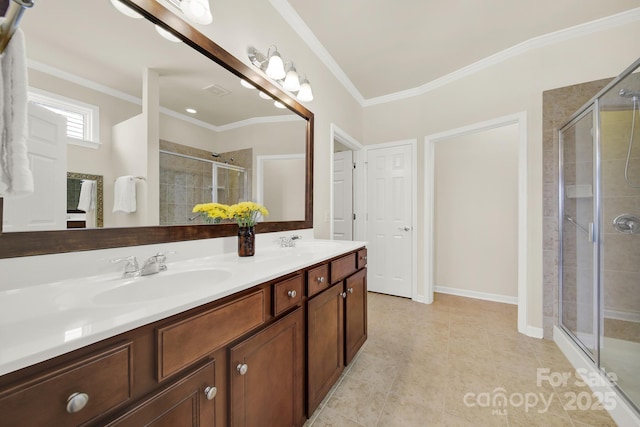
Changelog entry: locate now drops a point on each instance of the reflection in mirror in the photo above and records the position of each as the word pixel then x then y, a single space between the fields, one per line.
pixel 132 89
pixel 85 200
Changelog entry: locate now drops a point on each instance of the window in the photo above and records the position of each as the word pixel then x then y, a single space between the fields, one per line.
pixel 82 119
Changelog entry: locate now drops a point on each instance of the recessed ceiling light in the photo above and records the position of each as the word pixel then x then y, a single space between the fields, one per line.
pixel 191 110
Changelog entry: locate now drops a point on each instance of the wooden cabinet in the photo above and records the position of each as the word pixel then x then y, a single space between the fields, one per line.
pixel 189 402
pixel 72 394
pixel 267 376
pixel 336 325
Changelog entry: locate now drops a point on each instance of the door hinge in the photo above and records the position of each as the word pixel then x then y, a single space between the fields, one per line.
pixel 354 217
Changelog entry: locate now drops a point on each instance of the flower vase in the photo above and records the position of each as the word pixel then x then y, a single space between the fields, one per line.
pixel 246 241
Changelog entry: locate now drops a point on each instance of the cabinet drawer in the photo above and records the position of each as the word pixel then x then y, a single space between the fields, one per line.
pixel 287 293
pixel 317 279
pixel 343 267
pixel 182 343
pixel 362 258
pixel 105 378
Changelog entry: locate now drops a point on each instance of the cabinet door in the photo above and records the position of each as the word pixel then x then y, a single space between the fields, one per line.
pixel 325 326
pixel 267 376
pixel 183 404
pixel 355 314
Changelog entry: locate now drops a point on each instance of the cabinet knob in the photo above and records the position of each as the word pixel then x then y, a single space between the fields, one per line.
pixel 320 279
pixel 211 392
pixel 343 295
pixel 292 294
pixel 350 290
pixel 242 368
pixel 364 258
pixel 76 402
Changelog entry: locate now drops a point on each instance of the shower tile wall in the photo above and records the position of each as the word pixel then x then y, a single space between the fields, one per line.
pixel 558 106
pixel 621 252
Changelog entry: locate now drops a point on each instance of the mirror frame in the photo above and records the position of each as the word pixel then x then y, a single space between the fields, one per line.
pixel 19 244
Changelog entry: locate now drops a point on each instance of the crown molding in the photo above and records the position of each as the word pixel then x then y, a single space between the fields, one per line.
pixel 294 20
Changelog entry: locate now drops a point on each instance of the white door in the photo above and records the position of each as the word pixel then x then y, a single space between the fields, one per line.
pixel 390 219
pixel 343 195
pixel 46 208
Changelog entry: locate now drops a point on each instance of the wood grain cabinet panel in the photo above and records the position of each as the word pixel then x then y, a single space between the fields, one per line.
pixel 355 316
pixel 105 378
pixel 267 376
pixel 287 294
pixel 325 344
pixel 183 343
pixel 362 258
pixel 182 404
pixel 317 279
pixel 343 267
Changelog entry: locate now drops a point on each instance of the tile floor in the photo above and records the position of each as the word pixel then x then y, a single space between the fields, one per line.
pixel 446 364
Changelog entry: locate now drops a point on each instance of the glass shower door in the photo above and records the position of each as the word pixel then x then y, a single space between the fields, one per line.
pixel 578 294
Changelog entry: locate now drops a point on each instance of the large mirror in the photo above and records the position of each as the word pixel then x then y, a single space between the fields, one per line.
pixel 136 88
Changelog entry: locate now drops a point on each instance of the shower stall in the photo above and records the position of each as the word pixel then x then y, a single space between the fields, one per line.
pixel 599 226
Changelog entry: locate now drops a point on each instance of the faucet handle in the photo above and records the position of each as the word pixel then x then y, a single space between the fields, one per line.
pixel 161 258
pixel 132 264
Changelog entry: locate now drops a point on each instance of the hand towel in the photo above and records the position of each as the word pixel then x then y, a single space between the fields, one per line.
pixel 16 178
pixel 87 199
pixel 124 197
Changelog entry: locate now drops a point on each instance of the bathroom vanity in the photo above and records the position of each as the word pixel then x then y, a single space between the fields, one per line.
pixel 261 347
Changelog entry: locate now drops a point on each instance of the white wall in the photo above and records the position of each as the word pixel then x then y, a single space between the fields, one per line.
pixel 476 213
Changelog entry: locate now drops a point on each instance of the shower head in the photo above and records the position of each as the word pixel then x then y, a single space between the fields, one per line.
pixel 627 93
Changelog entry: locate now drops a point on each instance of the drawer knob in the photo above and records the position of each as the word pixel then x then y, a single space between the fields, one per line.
pixel 350 290
pixel 320 279
pixel 343 294
pixel 292 294
pixel 364 258
pixel 242 368
pixel 210 392
pixel 76 402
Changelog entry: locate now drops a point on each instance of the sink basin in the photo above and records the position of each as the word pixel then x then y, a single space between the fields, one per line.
pixel 163 285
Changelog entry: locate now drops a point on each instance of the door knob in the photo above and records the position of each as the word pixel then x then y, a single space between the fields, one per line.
pixel 242 368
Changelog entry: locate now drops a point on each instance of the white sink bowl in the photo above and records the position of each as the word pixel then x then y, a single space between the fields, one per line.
pixel 163 285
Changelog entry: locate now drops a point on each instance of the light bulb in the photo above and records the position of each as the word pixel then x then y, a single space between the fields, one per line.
pixel 305 94
pixel 197 11
pixel 279 104
pixel 275 70
pixel 264 95
pixel 246 84
pixel 292 81
pixel 126 10
pixel 167 35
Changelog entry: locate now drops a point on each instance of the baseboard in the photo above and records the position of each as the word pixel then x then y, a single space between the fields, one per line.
pixel 477 295
pixel 534 332
pixel 622 412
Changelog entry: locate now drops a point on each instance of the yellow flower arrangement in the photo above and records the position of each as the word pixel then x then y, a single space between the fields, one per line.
pixel 244 213
pixel 215 212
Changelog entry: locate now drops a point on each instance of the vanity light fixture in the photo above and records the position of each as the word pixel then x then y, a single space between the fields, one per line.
pixel 197 11
pixel 305 94
pixel 246 84
pixel 125 10
pixel 291 80
pixel 272 65
pixel 279 104
pixel 263 95
pixel 167 35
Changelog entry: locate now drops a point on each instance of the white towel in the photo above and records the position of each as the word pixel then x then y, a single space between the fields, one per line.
pixel 124 194
pixel 16 178
pixel 87 199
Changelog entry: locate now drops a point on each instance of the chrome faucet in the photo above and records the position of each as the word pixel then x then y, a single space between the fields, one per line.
pixel 131 268
pixel 154 264
pixel 289 242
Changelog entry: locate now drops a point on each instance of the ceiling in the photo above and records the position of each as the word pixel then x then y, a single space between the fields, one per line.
pixel 385 46
pixel 375 47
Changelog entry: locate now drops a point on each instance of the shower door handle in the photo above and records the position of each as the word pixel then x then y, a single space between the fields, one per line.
pixel 592 234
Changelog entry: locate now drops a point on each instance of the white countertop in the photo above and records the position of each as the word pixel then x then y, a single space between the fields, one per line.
pixel 46 320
